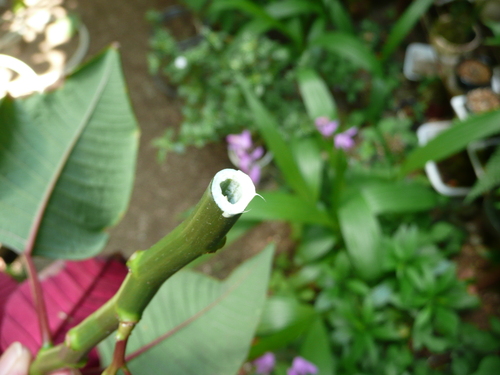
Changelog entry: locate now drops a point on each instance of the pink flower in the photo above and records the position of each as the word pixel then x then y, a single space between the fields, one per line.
pixel 344 140
pixel 240 141
pixel 325 126
pixel 300 366
pixel 265 363
pixel 247 155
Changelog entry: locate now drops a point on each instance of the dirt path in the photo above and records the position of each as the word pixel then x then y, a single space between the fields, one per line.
pixel 162 191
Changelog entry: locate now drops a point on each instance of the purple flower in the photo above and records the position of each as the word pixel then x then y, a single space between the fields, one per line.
pixel 247 155
pixel 325 126
pixel 344 140
pixel 302 367
pixel 240 141
pixel 265 363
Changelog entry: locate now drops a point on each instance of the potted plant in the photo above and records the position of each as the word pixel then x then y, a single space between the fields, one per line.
pixel 473 73
pixel 452 176
pixel 454 34
pixel 482 100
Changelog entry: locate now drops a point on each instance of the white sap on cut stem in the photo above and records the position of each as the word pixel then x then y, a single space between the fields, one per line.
pixel 232 191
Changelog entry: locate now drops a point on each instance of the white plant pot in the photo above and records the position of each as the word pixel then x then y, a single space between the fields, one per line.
pixel 425 133
pixel 458 102
pixel 458 105
pixel 420 61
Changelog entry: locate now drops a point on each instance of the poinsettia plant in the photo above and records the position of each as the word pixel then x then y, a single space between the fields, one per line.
pixel 67 161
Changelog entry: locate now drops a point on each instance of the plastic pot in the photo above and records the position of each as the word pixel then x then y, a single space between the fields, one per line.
pixel 453 176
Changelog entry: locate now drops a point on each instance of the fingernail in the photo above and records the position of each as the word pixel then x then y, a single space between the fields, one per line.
pixel 15 360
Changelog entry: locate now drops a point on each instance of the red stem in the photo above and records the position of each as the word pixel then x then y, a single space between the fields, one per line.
pixel 37 293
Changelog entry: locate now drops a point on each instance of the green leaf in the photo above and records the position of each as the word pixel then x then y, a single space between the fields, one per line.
pixel 286 207
pixel 67 162
pixel 310 162
pixel 495 325
pixel 490 179
pixel 340 17
pixel 351 48
pixel 460 365
pixel 316 242
pixel 283 320
pixel 362 233
pixel 316 348
pixel 488 366
pixel 446 322
pixel 268 128
pixel 404 25
pixel 207 324
pixel 398 197
pixel 316 95
pixel 252 9
pixel 453 139
pixel 282 312
pixel 423 318
pixel 478 340
pixel 291 8
pixel 381 89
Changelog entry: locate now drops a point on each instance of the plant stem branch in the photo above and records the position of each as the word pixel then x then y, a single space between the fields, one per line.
pixel 39 302
pixel 124 330
pixel 204 231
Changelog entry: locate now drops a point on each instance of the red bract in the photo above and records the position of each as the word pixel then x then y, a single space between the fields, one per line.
pixel 72 291
pixel 7 287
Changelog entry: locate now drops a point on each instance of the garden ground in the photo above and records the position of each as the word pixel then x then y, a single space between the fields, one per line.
pixel 162 191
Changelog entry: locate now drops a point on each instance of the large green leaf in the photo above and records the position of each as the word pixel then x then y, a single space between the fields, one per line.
pixel 283 206
pixel 207 325
pixel 317 349
pixel 269 130
pixel 316 95
pixel 283 320
pixel 361 232
pixel 454 139
pixel 404 25
pixel 398 197
pixel 67 162
pixel 351 48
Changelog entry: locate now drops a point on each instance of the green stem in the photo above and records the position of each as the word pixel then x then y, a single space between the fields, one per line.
pixel 204 231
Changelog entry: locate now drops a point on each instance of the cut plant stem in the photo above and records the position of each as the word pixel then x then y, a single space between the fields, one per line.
pixel 204 231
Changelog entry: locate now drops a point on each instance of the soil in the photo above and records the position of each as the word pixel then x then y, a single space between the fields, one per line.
pixel 457 170
pixel 162 191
